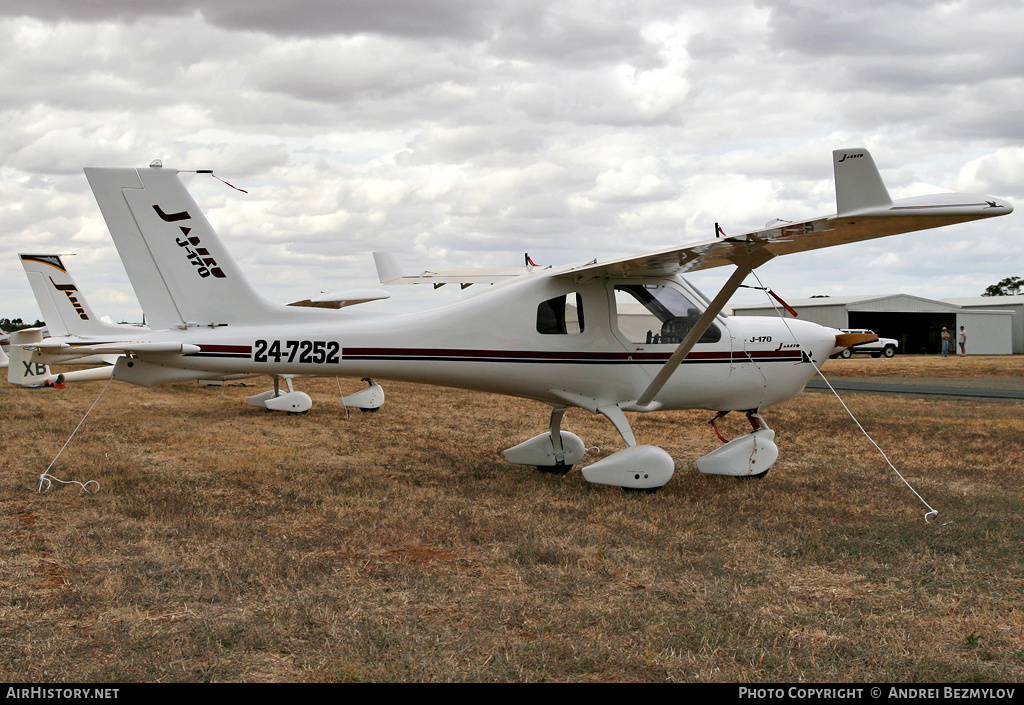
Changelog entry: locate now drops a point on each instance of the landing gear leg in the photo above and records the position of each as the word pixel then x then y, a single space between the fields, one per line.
pixel 758 424
pixel 555 429
pixel 614 414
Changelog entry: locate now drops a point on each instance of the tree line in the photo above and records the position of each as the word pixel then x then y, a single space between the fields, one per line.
pixel 12 324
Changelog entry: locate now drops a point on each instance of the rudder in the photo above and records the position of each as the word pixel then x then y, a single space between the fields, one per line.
pixel 179 268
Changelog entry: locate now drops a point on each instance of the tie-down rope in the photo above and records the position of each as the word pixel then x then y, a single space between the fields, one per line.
pixel 931 512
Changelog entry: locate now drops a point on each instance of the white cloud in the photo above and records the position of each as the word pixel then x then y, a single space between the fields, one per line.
pixel 465 133
pixel 1000 172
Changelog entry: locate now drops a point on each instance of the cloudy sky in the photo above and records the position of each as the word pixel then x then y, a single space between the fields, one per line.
pixel 465 133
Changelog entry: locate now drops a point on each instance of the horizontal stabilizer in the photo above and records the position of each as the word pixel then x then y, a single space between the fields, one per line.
pixel 56 347
pixel 148 374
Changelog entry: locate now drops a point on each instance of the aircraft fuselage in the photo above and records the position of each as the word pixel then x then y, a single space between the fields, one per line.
pixel 505 340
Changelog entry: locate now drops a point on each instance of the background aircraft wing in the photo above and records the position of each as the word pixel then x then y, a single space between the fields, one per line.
pixel 389 272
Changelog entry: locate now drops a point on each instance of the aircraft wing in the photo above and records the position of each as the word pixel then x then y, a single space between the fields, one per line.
pixel 864 212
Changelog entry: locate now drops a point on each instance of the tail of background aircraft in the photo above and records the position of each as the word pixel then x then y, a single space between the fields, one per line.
pixel 180 270
pixel 63 305
pixel 23 370
pixel 20 368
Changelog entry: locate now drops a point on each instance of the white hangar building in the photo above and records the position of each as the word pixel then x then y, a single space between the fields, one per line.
pixel 915 322
pixel 1013 304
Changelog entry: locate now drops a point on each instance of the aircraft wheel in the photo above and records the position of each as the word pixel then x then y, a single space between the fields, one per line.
pixel 370 411
pixel 556 469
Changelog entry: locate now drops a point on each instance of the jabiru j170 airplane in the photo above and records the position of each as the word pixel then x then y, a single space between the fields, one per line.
pixel 611 337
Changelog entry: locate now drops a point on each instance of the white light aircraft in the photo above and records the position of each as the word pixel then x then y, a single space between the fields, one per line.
pixel 558 335
pixel 66 313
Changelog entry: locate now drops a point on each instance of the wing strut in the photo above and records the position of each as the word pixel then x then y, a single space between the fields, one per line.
pixel 743 267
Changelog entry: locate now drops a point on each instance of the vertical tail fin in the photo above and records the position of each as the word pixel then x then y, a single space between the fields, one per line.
pixel 64 307
pixel 26 369
pixel 180 270
pixel 20 368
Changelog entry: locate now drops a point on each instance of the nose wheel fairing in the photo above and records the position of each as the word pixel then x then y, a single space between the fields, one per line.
pixel 748 456
pixel 369 399
pixel 751 455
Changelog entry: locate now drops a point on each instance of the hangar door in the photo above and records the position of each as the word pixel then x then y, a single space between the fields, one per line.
pixel 918 332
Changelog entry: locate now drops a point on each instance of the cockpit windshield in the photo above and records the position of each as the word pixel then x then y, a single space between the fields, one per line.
pixel 654 314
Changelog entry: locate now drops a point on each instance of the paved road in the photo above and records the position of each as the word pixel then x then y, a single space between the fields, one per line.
pixel 977 387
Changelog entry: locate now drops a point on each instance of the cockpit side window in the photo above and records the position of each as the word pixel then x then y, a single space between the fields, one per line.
pixel 562 315
pixel 649 314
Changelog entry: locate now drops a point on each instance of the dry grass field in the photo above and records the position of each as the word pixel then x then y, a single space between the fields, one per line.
pixel 228 543
pixel 931 366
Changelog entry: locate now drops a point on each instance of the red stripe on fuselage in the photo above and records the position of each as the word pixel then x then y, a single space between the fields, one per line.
pixel 568 356
pixel 226 348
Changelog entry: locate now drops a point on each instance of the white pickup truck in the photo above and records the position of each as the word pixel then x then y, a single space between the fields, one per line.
pixel 882 347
